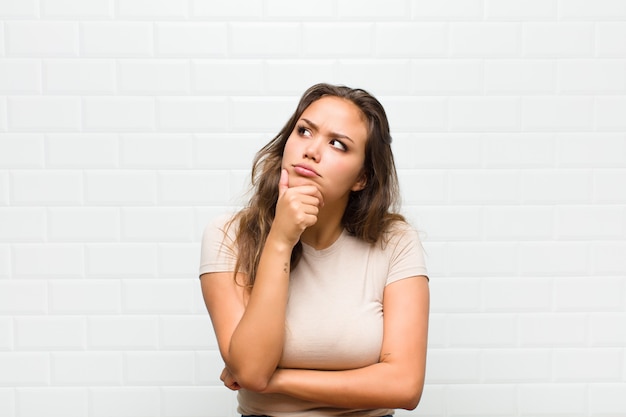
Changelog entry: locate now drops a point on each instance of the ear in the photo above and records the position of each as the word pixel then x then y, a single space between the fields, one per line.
pixel 360 184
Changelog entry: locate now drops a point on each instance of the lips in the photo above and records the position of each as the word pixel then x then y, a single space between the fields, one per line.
pixel 305 170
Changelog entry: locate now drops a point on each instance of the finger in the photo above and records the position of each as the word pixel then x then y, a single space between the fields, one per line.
pixel 283 184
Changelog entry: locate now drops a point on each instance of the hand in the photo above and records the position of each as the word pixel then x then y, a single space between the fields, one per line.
pixel 229 381
pixel 297 208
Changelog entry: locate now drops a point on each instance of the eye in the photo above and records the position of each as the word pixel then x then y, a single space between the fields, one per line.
pixel 338 144
pixel 303 131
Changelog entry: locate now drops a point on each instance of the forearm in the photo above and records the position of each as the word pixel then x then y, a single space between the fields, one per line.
pixel 257 342
pixel 382 385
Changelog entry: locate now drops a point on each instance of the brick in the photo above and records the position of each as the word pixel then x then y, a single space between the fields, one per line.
pixel 608 186
pixel 493 186
pixel 592 77
pixel 117 39
pixel 82 150
pixel 262 40
pixel 4 188
pixel 19 76
pixel 607 329
pixel 24 369
pixel 585 294
pixel 260 114
pixel 19 297
pixel 84 297
pixel 423 187
pixel 518 223
pixel 41 187
pixel 166 151
pixel 521 9
pixel 122 332
pixel 374 75
pixel 550 186
pixel 19 150
pixel 453 366
pixel 341 40
pixel 608 258
pixel 159 368
pixel 77 8
pixel 484 114
pixel 557 39
pixel 140 9
pixel 121 187
pixel 517 365
pixel 482 330
pixel 608 39
pixel 3 113
pixel 357 9
pixel 446 77
pixel 42 39
pixel 610 113
pixel 117 113
pixel 21 9
pixel 554 258
pixel 408 40
pixel 184 188
pixel 48 260
pixel 87 368
pixel 584 365
pixel 451 223
pixel 293 77
pixel 83 224
pixel 447 9
pixel 402 111
pixel 592 9
pixel 7 402
pixel 483 259
pixel 196 402
pixel 51 113
pixel 5 261
pixel 187 333
pixel 159 223
pixel 193 113
pixel 226 151
pixel 590 222
pixel 437 330
pixel 158 296
pixel 552 330
pixel 228 77
pixel 525 294
pixel 82 76
pixel 485 39
pixel 125 401
pixel 22 224
pixel 607 399
pixel 178 260
pixel 524 77
pixel 122 260
pixel 482 400
pixel 209 365
pixel 604 150
pixel 192 39
pixel 436 251
pixel 152 77
pixel 220 9
pixel 53 402
pixel 573 113
pixel 49 333
pixel 438 150
pixel 6 338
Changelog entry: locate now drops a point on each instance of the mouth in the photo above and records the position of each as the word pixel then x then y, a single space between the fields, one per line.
pixel 305 170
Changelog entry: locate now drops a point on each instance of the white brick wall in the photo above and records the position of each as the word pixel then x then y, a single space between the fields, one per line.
pixel 126 125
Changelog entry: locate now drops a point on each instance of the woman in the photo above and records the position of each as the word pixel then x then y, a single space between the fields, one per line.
pixel 317 289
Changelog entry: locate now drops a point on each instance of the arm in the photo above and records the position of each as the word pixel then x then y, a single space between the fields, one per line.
pixel 250 326
pixel 394 382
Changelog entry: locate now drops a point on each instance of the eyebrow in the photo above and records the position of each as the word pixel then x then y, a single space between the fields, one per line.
pixel 333 134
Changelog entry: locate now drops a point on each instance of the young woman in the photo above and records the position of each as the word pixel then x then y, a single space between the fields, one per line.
pixel 317 289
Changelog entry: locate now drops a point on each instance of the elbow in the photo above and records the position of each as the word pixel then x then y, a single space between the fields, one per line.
pixel 252 381
pixel 410 397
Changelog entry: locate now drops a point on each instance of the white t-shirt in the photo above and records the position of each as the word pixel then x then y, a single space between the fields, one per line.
pixel 334 317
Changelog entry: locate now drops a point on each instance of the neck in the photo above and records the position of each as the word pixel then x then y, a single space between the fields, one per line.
pixel 327 229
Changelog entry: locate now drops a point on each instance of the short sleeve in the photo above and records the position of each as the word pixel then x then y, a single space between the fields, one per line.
pixel 217 253
pixel 407 255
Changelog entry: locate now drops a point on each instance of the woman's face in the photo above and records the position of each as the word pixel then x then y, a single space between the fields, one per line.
pixel 327 148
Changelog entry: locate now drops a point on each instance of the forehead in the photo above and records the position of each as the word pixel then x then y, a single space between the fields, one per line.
pixel 338 115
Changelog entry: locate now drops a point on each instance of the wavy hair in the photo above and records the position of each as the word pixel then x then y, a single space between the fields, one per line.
pixel 369 212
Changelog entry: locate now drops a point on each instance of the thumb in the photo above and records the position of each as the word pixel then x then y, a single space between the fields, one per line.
pixel 283 184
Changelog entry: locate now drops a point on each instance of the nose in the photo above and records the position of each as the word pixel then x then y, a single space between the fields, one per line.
pixel 312 150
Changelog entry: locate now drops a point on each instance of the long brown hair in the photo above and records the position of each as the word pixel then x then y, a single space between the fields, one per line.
pixel 369 212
